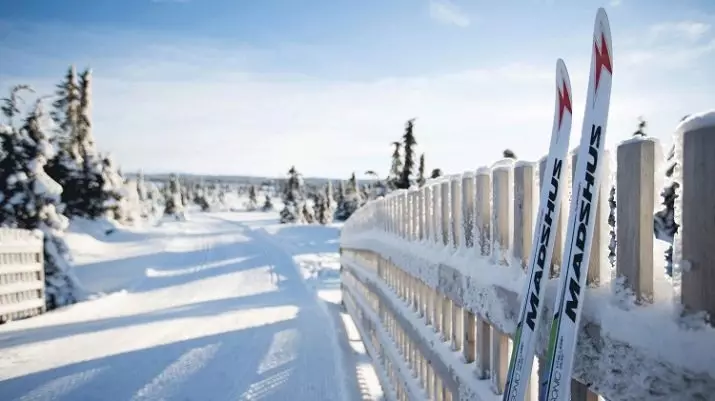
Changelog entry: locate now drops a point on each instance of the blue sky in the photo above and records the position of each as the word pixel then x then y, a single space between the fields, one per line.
pixel 251 87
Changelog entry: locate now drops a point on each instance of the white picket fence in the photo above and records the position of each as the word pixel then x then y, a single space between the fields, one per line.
pixel 434 278
pixel 22 277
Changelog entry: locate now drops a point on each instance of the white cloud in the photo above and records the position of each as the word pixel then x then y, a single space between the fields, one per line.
pixel 615 3
pixel 671 45
pixel 197 108
pixel 447 12
pixel 689 30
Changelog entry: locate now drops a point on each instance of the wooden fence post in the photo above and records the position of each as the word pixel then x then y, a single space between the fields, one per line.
pixel 523 210
pixel 427 198
pixel 634 227
pixel 444 218
pixel 484 210
pixel 456 208
pixel 502 193
pixel 436 222
pixel 469 330
pixel 696 236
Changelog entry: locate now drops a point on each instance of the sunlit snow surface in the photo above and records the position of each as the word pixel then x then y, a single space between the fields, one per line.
pixel 224 306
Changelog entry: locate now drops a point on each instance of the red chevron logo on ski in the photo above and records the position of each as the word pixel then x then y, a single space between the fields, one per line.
pixel 564 101
pixel 603 60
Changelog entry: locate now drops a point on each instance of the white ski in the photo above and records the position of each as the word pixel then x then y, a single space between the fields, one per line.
pixel 582 216
pixel 542 248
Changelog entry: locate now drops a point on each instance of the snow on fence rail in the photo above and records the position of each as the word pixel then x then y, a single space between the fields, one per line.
pixel 22 277
pixel 434 278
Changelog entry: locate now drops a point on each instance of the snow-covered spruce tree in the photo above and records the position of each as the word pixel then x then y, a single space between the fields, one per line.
pixel 112 189
pixel 351 200
pixel 131 205
pixel 173 205
pixel 252 199
pixel 293 198
pixel 95 171
pixel 378 188
pixel 421 171
pixel 143 194
pixel 323 214
pixel 396 167
pixel 64 167
pixel 612 225
pixel 330 198
pixel 408 144
pixel 267 204
pixel 29 197
pixel 307 214
pixel 200 198
pixel 665 226
pixel 154 200
pixel 339 198
pixel 366 194
pixel 77 165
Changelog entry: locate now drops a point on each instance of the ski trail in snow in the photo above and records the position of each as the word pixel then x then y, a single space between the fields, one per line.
pixel 338 362
pixel 181 370
pixel 216 314
pixel 357 367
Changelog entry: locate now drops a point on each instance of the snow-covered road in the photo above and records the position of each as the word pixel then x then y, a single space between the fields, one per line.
pixel 226 306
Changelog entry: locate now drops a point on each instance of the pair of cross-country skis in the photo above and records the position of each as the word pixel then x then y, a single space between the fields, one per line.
pixel 580 228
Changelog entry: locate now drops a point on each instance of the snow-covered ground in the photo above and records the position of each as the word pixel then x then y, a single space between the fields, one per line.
pixel 224 306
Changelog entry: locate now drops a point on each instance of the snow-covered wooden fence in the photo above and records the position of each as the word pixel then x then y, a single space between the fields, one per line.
pixel 434 276
pixel 22 277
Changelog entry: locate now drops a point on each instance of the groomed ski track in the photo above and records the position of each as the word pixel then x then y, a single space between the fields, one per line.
pixel 224 306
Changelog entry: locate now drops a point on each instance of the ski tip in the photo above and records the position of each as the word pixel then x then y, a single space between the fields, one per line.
pixel 562 75
pixel 602 25
pixel 602 48
pixel 563 93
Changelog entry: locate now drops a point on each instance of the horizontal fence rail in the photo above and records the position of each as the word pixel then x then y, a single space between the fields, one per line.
pixel 436 274
pixel 22 277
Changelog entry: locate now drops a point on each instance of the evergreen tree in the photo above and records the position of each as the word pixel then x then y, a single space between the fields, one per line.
pixel 109 200
pixel 323 214
pixel 612 224
pixel 436 173
pixel 142 191
pixel 306 214
pixel 378 189
pixel 77 165
pixel 330 197
pixel 293 198
pixel 95 191
pixel 349 201
pixel 65 165
pixel 29 197
pixel 11 105
pixel 267 204
pixel 408 143
pixel 200 197
pixel 252 198
pixel 421 171
pixel 67 114
pixel 394 177
pixel 173 204
pixel 664 225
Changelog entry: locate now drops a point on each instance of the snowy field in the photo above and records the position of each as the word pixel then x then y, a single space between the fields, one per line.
pixel 224 306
